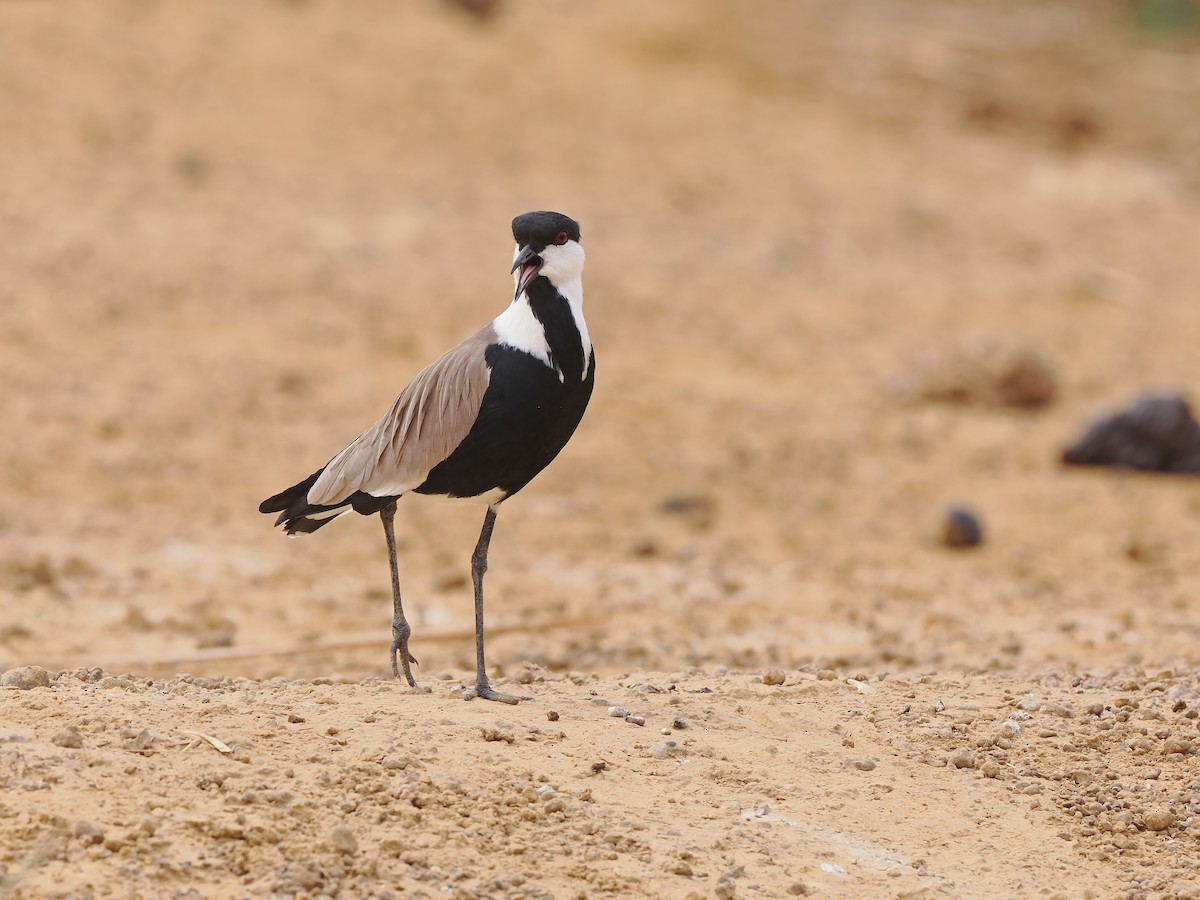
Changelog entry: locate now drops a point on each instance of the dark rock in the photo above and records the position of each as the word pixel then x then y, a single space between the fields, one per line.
pixel 961 528
pixel 1157 434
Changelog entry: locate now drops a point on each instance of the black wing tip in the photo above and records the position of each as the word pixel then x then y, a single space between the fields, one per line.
pixel 295 497
pixel 299 525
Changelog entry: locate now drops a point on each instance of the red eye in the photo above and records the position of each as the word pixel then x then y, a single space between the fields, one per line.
pixel 561 239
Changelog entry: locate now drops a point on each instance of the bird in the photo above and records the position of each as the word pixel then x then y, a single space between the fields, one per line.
pixel 477 424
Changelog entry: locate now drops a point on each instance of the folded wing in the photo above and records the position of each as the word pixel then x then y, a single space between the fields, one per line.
pixel 427 422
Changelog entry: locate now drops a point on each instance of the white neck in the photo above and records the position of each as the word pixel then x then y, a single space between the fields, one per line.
pixel 573 291
pixel 518 327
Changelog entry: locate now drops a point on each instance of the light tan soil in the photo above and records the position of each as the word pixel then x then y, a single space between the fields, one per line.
pixel 229 234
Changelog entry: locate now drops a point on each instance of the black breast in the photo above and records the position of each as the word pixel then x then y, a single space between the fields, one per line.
pixel 528 414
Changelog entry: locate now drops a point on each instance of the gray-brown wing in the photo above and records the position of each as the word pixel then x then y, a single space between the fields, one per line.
pixel 427 422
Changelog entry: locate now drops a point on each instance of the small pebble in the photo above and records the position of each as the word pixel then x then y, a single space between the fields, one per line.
pixel 1029 704
pixel 636 720
pixel 797 888
pixel 680 723
pixel 497 734
pixel 343 840
pixel 618 712
pixel 665 750
pixel 1062 710
pixel 1160 820
pixel 89 833
pixel 25 678
pixel 773 677
pixel 961 528
pixel 552 716
pixel 863 765
pixel 963 759
pixel 664 731
pixel 69 737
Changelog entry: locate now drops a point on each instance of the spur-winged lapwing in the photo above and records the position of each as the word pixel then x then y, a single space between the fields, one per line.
pixel 478 424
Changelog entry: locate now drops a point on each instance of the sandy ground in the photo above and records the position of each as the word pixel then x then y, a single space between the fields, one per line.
pixel 229 234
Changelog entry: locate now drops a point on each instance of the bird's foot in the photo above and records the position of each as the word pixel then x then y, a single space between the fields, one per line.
pixel 485 691
pixel 401 659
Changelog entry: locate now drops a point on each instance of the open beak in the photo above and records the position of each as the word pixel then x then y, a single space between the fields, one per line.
pixel 529 264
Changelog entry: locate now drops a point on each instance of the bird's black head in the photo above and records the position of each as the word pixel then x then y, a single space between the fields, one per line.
pixel 548 245
pixel 539 230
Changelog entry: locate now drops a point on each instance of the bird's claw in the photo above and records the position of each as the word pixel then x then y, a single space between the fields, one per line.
pixel 486 692
pixel 401 657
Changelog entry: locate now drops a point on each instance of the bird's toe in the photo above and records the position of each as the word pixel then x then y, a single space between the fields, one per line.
pixel 487 692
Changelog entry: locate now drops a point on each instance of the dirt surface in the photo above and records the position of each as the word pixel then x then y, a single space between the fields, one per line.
pixel 229 234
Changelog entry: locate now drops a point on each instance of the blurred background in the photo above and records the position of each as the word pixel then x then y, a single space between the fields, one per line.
pixel 825 242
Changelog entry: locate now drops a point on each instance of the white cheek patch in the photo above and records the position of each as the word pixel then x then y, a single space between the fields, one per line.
pixel 563 264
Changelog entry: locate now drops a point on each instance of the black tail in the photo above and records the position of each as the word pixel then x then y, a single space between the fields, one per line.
pixel 298 516
pixel 294 509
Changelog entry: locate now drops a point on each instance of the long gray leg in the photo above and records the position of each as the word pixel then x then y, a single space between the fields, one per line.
pixel 483 687
pixel 400 627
